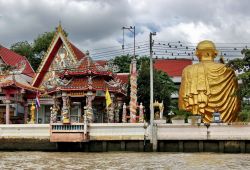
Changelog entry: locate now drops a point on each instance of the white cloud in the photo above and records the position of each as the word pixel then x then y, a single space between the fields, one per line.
pixel 97 24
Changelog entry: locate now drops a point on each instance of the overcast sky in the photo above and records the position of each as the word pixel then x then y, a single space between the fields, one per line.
pixel 94 24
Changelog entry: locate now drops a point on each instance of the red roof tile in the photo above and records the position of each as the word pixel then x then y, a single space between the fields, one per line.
pixel 101 62
pixel 124 77
pixel 79 54
pixel 8 83
pixel 11 58
pixel 87 63
pixel 172 67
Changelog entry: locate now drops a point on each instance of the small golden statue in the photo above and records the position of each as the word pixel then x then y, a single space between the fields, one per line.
pixel 207 86
pixel 32 113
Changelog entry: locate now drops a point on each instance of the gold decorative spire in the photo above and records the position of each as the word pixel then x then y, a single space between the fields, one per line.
pixel 59 28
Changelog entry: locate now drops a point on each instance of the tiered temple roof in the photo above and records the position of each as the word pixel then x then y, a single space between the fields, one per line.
pixel 11 58
pixel 15 71
pixel 66 68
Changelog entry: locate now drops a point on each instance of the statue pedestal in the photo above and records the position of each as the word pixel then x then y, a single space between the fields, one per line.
pixel 160 121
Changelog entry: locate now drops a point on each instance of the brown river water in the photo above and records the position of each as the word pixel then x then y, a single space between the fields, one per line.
pixel 122 160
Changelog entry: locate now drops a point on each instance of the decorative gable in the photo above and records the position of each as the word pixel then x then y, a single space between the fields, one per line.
pixel 60 55
pixel 61 61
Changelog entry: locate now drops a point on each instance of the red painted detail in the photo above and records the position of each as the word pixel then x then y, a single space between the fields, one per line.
pixel 123 77
pixel 11 86
pixel 11 58
pixel 81 83
pixel 47 63
pixel 101 62
pixel 68 137
pixel 79 54
pixel 172 67
pixel 31 96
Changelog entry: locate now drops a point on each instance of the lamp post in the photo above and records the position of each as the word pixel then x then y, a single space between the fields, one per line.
pixel 151 90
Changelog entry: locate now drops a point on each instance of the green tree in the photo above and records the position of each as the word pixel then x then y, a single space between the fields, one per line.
pixel 23 48
pixel 163 85
pixel 36 50
pixel 41 43
pixel 123 62
pixel 243 67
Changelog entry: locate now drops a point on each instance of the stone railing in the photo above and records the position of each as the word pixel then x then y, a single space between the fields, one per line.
pixel 25 131
pixel 117 131
pixel 130 131
pixel 76 127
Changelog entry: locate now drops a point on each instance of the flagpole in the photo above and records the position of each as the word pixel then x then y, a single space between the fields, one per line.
pixel 107 113
pixel 37 102
pixel 108 102
pixel 37 115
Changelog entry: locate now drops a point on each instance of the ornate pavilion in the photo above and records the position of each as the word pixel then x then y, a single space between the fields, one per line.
pixel 16 74
pixel 74 84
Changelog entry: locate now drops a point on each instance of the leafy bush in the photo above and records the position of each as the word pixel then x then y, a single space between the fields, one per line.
pixel 244 115
pixel 181 114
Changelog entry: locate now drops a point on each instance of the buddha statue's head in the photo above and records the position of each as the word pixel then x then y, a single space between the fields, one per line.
pixel 206 51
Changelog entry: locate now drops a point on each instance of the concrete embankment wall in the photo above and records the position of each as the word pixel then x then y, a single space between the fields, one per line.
pixel 130 137
pixel 27 137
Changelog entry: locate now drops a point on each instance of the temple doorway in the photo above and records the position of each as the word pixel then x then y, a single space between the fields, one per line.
pixel 99 111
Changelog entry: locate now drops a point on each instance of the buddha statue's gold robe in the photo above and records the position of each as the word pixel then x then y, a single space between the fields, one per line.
pixel 207 87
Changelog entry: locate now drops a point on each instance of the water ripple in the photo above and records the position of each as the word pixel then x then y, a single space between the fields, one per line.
pixel 122 160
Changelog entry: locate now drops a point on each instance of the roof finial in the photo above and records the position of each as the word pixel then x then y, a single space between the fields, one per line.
pixel 88 58
pixel 59 28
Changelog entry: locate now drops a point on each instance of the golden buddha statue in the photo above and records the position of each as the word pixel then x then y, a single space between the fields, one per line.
pixel 209 87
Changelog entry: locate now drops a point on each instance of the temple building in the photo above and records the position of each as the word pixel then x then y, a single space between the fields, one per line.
pixel 16 76
pixel 74 84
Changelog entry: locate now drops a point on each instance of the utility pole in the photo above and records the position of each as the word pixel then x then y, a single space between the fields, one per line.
pixel 131 29
pixel 152 93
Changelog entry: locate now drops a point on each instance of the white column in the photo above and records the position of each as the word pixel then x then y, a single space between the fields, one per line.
pixel 124 113
pixel 117 109
pixel 7 115
pixel 141 114
pixel 26 112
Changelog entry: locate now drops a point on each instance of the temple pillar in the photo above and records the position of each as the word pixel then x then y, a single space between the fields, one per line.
pixel 117 110
pixel 141 113
pixel 7 114
pixel 111 109
pixel 90 115
pixel 65 108
pixel 26 112
pixel 124 113
pixel 133 91
pixel 54 110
